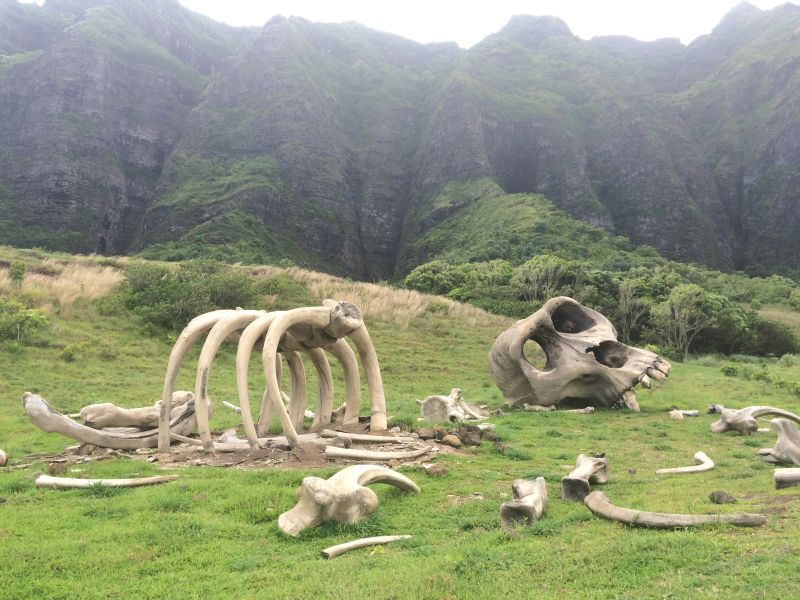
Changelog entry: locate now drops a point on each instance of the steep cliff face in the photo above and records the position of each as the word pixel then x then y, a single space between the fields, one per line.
pixel 133 125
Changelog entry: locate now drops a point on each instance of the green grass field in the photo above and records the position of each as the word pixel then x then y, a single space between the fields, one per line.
pixel 213 533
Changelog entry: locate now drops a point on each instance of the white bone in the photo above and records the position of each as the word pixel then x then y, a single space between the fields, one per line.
pixel 704 463
pixel 68 483
pixel 787 448
pixel 355 454
pixel 745 420
pixel 587 470
pixel 786 477
pixel 530 501
pixel 362 543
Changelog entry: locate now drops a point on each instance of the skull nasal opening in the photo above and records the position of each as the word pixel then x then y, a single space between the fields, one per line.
pixel 569 318
pixel 610 353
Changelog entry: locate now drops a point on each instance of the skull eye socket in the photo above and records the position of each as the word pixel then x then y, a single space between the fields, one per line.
pixel 610 353
pixel 535 355
pixel 569 318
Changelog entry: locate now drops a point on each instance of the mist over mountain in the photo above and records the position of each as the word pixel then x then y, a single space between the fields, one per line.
pixel 133 125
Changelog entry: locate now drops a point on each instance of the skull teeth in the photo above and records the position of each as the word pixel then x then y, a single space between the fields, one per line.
pixel 645 381
pixel 656 374
pixel 662 366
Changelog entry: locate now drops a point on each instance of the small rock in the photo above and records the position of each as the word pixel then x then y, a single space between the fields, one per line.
pixel 426 433
pixel 632 471
pixel 491 437
pixel 676 415
pixel 451 440
pixel 469 435
pixel 497 413
pixel 435 470
pixel 721 498
pixel 395 430
pixel 57 468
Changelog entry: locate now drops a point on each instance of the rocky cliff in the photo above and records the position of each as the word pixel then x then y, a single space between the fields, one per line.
pixel 128 125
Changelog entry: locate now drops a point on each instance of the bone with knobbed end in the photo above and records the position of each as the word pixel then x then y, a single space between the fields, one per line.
pixel 704 463
pixel 530 501
pixel 744 420
pixel 106 414
pixel 342 351
pixel 629 400
pixel 357 454
pixel 587 470
pixel 537 408
pixel 233 407
pixel 366 437
pixel 585 361
pixel 228 324
pixel 3 458
pixel 70 483
pixel 196 327
pixel 786 478
pixel 676 415
pixel 599 504
pixel 787 448
pixel 47 419
pixel 343 497
pixel 362 543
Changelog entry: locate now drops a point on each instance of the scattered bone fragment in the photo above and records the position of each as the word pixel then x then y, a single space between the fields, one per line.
pixel 365 437
pixel 585 361
pixel 451 408
pixel 434 469
pixel 67 483
pixel 787 448
pixel 704 463
pixel 233 407
pixel 744 420
pixel 786 478
pixel 676 415
pixel 587 410
pixel 537 408
pixel 689 413
pixel 362 543
pixel 3 458
pixel 530 501
pixel 599 504
pixel 343 497
pixel 358 454
pixel 587 470
pixel 106 414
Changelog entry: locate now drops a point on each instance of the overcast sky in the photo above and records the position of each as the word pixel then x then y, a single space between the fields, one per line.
pixel 469 22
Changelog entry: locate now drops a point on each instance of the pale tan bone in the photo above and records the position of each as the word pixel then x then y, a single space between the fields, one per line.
pixel 344 497
pixel 588 410
pixel 106 414
pixel 704 463
pixel 69 483
pixel 233 407
pixel 3 458
pixel 599 504
pixel 372 370
pixel 362 543
pixel 537 408
pixel 744 420
pixel 366 437
pixel 786 478
pixel 450 408
pixel 322 416
pixel 585 360
pixel 269 442
pixel 47 419
pixel 342 351
pixel 587 470
pixel 787 448
pixel 356 454
pixel 530 501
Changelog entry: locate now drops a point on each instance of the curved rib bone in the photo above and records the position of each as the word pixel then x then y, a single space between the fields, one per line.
pixel 355 454
pixel 366 437
pixel 704 463
pixel 352 380
pixel 322 416
pixel 70 483
pixel 228 324
pixel 344 497
pixel 183 344
pixel 372 370
pixel 587 470
pixel 744 420
pixel 787 448
pixel 786 478
pixel 47 419
pixel 599 504
pixel 530 501
pixel 362 543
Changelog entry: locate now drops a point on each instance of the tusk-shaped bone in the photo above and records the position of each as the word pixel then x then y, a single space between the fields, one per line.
pixel 598 503
pixel 629 399
pixel 786 478
pixel 69 483
pixel 704 463
pixel 362 543
pixel 355 454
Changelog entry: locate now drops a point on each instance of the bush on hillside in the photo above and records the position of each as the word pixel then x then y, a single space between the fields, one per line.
pixel 17 322
pixel 169 297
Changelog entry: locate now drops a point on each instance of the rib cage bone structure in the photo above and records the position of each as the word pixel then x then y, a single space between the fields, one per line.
pixel 310 330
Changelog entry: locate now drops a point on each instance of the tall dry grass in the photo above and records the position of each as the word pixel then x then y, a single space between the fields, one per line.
pixel 57 287
pixel 385 303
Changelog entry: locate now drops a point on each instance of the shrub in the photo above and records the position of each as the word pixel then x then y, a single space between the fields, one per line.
pixel 16 272
pixel 18 322
pixel 729 370
pixel 169 297
pixel 70 353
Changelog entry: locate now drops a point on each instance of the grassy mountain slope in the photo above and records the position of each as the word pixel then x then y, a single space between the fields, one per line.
pixel 213 532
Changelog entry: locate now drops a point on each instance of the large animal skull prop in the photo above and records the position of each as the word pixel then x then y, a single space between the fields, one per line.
pixel 585 362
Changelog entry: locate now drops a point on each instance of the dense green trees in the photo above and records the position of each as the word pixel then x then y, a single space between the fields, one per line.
pixel 682 308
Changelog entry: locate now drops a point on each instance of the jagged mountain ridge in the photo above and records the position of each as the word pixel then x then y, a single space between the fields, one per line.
pixel 129 125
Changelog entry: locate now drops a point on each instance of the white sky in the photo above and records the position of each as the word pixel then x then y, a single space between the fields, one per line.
pixel 468 22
